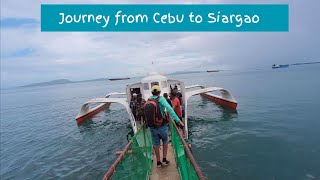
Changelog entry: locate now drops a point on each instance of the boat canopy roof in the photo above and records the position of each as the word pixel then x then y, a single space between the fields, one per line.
pixel 154 77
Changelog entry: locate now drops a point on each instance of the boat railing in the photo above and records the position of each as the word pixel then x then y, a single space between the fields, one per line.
pixel 135 161
pixel 112 169
pixel 188 167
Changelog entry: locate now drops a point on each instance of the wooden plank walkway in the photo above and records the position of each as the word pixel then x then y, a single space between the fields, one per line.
pixel 169 172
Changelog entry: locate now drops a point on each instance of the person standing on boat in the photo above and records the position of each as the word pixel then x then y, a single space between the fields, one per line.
pixel 177 106
pixel 133 104
pixel 165 95
pixel 179 95
pixel 140 107
pixel 158 125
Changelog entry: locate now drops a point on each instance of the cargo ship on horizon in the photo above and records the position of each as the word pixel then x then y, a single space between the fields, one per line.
pixel 118 79
pixel 276 66
pixel 213 71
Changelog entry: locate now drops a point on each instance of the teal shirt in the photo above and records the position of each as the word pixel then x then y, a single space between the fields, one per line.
pixel 163 103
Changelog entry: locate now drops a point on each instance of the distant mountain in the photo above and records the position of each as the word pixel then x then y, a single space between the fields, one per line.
pixel 66 81
pixel 92 80
pixel 62 81
pixel 54 82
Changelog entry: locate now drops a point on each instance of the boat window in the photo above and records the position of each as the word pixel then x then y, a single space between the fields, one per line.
pixel 146 86
pixel 164 84
pixel 154 83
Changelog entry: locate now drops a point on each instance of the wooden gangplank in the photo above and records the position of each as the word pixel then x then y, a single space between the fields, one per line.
pixel 169 172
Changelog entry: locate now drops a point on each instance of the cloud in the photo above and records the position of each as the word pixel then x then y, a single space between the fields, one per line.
pixel 28 55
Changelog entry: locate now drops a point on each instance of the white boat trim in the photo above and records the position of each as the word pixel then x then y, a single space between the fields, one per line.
pixel 225 96
pixel 166 85
pixel 85 108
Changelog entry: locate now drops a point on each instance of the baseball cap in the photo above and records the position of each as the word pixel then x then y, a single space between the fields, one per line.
pixel 155 88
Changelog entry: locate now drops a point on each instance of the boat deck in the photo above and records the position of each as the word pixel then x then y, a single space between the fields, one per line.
pixel 169 172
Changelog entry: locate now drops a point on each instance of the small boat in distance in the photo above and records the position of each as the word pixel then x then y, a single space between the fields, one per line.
pixel 118 79
pixel 276 66
pixel 213 71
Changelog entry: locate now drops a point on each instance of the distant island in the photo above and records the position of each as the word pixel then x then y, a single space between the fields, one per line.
pixel 61 81
pixel 67 81
pixel 58 81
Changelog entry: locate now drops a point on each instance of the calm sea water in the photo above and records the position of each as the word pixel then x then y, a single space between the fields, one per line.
pixel 274 135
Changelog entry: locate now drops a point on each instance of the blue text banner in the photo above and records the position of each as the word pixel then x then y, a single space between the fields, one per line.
pixel 156 18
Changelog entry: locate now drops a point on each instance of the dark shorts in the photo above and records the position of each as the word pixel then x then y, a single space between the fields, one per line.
pixel 159 133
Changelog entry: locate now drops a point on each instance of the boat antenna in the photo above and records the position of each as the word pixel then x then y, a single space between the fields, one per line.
pixel 153 68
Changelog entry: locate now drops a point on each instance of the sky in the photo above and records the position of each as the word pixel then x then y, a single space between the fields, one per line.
pixel 30 56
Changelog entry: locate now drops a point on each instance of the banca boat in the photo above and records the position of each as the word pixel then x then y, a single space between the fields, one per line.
pixel 135 161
